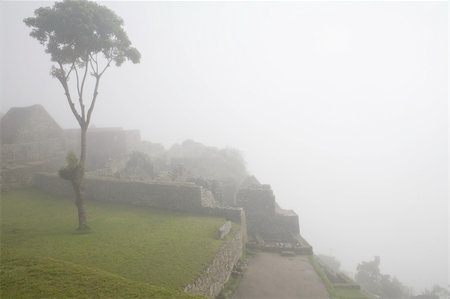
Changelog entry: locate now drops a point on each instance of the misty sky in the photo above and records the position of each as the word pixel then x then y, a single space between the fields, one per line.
pixel 340 106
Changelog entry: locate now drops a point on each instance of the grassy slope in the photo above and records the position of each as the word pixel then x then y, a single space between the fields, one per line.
pixel 50 278
pixel 137 244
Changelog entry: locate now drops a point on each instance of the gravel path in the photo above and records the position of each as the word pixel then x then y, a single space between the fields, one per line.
pixel 272 276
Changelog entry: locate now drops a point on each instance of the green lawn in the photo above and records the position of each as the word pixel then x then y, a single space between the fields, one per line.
pixel 128 245
pixel 50 278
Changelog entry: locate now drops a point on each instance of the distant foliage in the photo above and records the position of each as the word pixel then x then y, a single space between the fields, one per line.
pixel 140 164
pixel 437 291
pixel 370 279
pixel 151 148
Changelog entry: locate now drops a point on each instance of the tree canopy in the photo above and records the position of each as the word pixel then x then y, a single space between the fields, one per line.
pixel 73 30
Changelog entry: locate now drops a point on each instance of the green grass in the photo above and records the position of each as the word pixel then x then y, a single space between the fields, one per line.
pixel 132 244
pixel 335 292
pixel 50 278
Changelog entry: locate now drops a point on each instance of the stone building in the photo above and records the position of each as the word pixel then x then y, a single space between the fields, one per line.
pixel 29 134
pixel 103 144
pixel 32 141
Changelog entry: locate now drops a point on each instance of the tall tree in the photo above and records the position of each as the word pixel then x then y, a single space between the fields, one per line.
pixel 82 37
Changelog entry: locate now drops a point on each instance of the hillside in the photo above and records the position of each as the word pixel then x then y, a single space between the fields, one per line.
pixel 130 248
pixel 51 278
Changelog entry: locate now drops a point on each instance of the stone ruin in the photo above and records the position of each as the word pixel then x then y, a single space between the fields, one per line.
pixel 183 180
pixel 32 141
pixel 269 227
pixel 104 144
pixel 29 134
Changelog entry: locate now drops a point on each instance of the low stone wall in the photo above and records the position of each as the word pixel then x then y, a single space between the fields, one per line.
pixel 212 280
pixel 171 196
pixel 178 196
pixel 21 176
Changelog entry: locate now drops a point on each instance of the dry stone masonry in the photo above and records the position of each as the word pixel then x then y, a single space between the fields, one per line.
pixel 269 227
pixel 214 277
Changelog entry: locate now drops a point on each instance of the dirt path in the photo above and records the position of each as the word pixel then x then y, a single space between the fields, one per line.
pixel 271 276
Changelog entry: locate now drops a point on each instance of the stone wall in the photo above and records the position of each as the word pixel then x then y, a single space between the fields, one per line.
pixel 21 176
pixel 208 199
pixel 212 280
pixel 20 153
pixel 171 196
pixel 236 215
pixel 264 216
pixel 176 196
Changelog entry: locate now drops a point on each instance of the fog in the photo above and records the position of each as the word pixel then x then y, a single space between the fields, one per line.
pixel 342 107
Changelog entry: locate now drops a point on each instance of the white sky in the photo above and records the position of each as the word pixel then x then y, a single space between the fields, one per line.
pixel 341 106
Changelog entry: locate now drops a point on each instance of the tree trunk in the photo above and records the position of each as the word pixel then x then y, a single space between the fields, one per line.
pixel 79 202
pixel 78 184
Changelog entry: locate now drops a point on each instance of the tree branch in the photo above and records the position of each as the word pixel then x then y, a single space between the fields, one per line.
pixel 84 76
pixel 68 73
pixel 80 94
pixel 94 70
pixel 63 79
pixel 94 98
pixel 92 66
pixel 96 61
pixel 92 57
pixel 78 80
pixel 107 66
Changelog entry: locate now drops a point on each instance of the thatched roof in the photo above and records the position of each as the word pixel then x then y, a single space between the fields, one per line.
pixel 28 124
